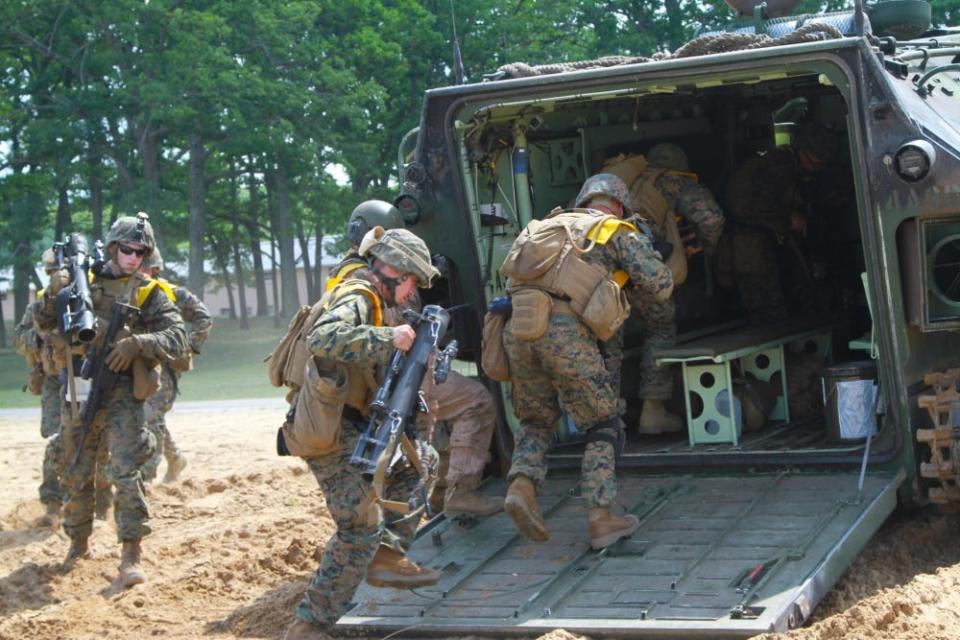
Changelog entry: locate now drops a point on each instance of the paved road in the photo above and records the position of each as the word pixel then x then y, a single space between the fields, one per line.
pixel 197 406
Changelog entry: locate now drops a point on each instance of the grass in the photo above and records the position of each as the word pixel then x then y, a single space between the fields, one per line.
pixel 231 366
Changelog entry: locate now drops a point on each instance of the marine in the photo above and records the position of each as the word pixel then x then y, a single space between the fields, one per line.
pixel 565 275
pixel 153 334
pixel 192 310
pixel 462 408
pixel 351 345
pixel 662 191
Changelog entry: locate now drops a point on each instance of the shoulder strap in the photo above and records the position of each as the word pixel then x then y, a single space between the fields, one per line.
pixel 342 274
pixel 147 287
pixel 356 284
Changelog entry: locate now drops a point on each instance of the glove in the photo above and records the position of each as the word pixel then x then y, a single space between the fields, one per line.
pixel 58 280
pixel 121 356
pixel 664 248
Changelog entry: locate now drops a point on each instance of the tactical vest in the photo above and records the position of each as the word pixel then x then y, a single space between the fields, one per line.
pixel 106 292
pixel 649 203
pixel 289 358
pixel 546 257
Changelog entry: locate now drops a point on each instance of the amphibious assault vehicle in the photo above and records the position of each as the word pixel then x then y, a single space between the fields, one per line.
pixel 744 527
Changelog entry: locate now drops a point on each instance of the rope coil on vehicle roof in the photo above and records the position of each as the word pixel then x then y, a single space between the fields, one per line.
pixel 703 45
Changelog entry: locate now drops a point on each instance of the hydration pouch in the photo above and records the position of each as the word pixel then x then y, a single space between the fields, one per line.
pixel 315 429
pixel 493 358
pixel 531 313
pixel 535 251
pixel 606 310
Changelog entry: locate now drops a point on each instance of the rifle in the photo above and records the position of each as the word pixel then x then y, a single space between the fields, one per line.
pixel 395 406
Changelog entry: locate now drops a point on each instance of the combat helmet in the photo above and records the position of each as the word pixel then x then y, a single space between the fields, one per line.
pixel 667 155
pixel 49 259
pixel 605 184
pixel 132 229
pixel 403 251
pixel 817 140
pixel 370 214
pixel 153 261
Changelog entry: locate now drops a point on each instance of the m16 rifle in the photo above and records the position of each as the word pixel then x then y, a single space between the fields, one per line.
pixel 397 402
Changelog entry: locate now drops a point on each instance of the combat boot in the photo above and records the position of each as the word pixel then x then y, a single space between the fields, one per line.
pixel 462 498
pixel 390 568
pixel 79 550
pixel 521 506
pixel 52 516
pixel 605 529
pixel 175 466
pixel 655 419
pixel 303 630
pixel 131 572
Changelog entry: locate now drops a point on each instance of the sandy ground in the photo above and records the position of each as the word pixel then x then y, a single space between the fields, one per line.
pixel 236 540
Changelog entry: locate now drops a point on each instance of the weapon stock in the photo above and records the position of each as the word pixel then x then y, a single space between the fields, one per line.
pixel 397 401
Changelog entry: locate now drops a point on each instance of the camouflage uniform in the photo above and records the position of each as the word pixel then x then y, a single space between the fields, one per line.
pixel 119 422
pixel 565 365
pixel 345 333
pixel 657 318
pixel 156 407
pixel 761 195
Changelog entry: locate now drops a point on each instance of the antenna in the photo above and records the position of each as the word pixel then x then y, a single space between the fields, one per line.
pixel 457 58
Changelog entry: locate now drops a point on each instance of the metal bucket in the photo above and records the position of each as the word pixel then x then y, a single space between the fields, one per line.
pixel 850 400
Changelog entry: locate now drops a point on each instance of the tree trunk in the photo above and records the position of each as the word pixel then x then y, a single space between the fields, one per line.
pixel 3 324
pixel 198 214
pixel 273 280
pixel 221 251
pixel 64 223
pixel 318 278
pixel 237 257
pixel 282 207
pixel 94 167
pixel 253 231
pixel 22 268
pixel 305 254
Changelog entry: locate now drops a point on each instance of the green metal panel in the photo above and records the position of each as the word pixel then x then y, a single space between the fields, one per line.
pixel 715 556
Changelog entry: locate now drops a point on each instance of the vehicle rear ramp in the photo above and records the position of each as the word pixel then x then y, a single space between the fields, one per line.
pixel 720 556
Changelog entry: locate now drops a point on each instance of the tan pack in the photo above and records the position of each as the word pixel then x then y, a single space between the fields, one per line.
pixel 184 363
pixel 146 378
pixel 650 203
pixel 493 357
pixel 531 313
pixel 626 167
pixel 286 363
pixel 35 379
pixel 316 424
pixel 547 261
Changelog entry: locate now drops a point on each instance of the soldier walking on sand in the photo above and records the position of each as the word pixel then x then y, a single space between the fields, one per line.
pixel 154 333
pixel 565 277
pixel 192 310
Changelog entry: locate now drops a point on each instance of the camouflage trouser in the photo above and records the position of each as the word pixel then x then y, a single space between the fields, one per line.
pixel 50 402
pixel 155 410
pixel 757 272
pixel 658 321
pixel 563 365
pixel 469 407
pixel 353 544
pixel 119 423
pixel 50 490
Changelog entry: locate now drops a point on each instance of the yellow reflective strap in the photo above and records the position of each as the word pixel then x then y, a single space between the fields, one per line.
pixel 620 277
pixel 172 293
pixel 364 287
pixel 685 174
pixel 147 288
pixel 603 231
pixel 342 274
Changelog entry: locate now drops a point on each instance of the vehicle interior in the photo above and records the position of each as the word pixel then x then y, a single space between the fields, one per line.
pixel 779 373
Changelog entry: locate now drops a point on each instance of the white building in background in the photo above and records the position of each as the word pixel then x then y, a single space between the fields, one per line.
pixel 215 293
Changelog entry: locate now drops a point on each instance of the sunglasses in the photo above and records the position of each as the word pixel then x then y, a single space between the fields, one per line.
pixel 130 251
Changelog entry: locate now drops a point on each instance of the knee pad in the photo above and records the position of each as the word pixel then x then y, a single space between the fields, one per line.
pixel 612 430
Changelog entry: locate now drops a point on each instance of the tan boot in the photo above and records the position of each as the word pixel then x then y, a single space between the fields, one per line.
pixel 79 550
pixel 390 568
pixel 605 529
pixel 303 630
pixel 655 419
pixel 462 498
pixel 521 506
pixel 131 572
pixel 52 516
pixel 175 467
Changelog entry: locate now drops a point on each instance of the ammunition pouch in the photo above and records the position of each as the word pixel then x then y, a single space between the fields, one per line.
pixel 531 313
pixel 612 430
pixel 183 364
pixel 146 378
pixel 493 358
pixel 606 310
pixel 315 429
